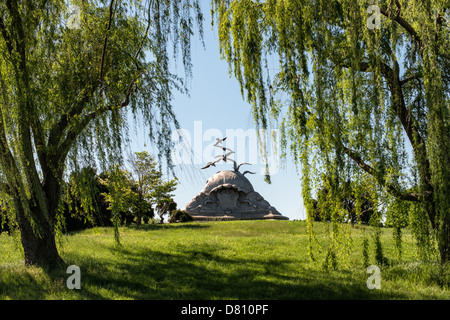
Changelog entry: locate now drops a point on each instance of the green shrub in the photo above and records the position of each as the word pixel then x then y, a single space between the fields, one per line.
pixel 180 216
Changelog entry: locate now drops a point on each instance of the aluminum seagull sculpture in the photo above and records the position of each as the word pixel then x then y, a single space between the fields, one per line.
pixel 236 168
pixel 211 164
pixel 219 141
pixel 225 157
pixel 224 149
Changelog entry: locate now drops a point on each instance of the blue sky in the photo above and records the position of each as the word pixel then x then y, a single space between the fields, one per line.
pixel 215 107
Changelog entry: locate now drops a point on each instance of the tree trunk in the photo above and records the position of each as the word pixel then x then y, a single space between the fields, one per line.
pixel 442 228
pixel 40 250
pixel 39 247
pixel 38 238
pixel 444 249
pixel 139 210
pixel 139 218
pixel 443 235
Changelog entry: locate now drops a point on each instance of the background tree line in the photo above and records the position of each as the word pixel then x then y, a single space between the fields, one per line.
pixel 117 196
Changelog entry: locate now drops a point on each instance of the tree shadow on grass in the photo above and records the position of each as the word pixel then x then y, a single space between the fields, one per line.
pixel 29 283
pixel 159 226
pixel 202 274
pixel 19 285
pixel 146 227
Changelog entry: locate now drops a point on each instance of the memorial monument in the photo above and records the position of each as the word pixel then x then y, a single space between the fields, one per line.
pixel 229 195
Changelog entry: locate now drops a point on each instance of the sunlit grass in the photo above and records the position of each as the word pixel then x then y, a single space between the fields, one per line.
pixel 218 260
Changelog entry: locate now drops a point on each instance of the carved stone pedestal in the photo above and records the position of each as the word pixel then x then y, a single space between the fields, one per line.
pixel 229 195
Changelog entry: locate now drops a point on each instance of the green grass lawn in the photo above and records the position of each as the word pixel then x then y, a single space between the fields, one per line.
pixel 217 260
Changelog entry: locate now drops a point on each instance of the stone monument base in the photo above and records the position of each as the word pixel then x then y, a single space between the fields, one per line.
pixel 216 216
pixel 229 195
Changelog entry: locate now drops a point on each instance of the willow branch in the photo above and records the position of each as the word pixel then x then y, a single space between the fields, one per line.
pixel 105 42
pixel 6 36
pixel 78 127
pixel 146 31
pixel 27 119
pixel 391 189
pixel 411 78
pixel 392 77
pixel 11 171
pixel 402 22
pixel 65 119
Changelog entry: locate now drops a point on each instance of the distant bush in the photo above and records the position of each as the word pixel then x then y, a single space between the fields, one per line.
pixel 180 216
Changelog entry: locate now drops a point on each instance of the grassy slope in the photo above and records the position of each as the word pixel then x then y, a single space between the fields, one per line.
pixel 216 260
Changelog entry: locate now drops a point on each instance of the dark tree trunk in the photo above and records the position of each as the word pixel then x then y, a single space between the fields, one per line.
pixel 139 218
pixel 38 238
pixel 39 244
pixel 444 240
pixel 444 249
pixel 441 225
pixel 139 211
pixel 40 250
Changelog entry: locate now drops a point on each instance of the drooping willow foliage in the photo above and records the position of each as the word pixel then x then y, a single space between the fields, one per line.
pixel 360 90
pixel 68 92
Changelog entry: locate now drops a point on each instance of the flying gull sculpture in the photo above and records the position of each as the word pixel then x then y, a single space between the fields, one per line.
pixel 225 157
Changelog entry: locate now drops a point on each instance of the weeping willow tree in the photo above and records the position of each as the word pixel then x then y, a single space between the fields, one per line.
pixel 360 90
pixel 69 79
